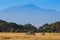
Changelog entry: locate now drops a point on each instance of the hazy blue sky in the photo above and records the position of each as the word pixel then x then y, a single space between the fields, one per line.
pixel 46 4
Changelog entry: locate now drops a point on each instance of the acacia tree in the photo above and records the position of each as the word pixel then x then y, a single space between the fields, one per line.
pixel 20 28
pixel 30 27
pixel 3 26
pixel 55 27
pixel 44 28
pixel 12 27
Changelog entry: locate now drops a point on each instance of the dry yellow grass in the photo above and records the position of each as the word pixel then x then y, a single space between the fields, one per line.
pixel 25 36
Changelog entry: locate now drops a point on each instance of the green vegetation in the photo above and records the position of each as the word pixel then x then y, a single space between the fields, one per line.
pixel 13 27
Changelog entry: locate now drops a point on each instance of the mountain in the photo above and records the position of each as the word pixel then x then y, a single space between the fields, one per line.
pixel 29 14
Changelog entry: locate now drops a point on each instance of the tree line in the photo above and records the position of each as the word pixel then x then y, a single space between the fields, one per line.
pixel 13 27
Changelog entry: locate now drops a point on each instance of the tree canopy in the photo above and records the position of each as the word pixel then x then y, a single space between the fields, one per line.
pixel 13 27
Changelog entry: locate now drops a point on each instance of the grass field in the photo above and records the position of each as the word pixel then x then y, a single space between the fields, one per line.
pixel 25 36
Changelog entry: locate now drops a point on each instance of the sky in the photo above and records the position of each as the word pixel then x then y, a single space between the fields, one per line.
pixel 45 4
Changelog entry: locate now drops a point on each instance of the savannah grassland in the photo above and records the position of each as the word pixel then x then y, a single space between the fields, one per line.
pixel 25 36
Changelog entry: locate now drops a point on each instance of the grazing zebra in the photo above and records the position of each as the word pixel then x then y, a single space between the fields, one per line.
pixel 31 33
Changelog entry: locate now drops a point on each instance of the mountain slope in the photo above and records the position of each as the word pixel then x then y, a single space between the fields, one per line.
pixel 29 14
